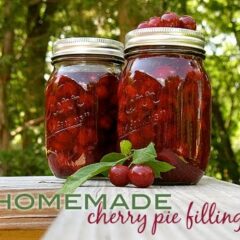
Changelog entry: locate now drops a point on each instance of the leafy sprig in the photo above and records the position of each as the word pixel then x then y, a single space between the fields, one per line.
pixel 146 156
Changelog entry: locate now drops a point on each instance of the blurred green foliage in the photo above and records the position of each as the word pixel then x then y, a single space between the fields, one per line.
pixel 27 162
pixel 28 29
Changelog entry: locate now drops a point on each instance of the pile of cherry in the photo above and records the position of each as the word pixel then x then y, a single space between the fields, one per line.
pixel 170 19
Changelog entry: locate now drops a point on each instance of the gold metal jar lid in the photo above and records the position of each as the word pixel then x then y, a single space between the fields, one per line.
pixel 164 36
pixel 87 46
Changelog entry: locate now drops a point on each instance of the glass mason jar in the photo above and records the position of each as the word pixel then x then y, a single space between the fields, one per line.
pixel 81 102
pixel 165 98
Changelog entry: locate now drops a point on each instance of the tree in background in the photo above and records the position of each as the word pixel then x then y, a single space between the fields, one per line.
pixel 27 30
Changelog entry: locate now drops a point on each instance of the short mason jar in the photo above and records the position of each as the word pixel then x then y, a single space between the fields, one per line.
pixel 81 102
pixel 165 98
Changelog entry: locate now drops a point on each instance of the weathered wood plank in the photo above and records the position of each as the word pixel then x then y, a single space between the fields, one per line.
pixel 16 183
pixel 26 222
pixel 33 218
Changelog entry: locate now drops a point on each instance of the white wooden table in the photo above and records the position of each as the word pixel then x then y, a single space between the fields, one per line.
pixel 73 224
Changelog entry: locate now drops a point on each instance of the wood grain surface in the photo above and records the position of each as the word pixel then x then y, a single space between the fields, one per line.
pixel 74 224
pixel 33 218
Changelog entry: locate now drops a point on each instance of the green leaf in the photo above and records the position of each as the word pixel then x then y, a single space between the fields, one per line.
pixel 104 174
pixel 159 166
pixel 144 155
pixel 83 174
pixel 125 147
pixel 112 157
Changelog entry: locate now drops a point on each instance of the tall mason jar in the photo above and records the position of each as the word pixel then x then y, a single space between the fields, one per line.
pixel 81 102
pixel 165 98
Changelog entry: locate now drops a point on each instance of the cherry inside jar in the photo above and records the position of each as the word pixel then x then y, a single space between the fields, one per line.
pixel 81 104
pixel 165 98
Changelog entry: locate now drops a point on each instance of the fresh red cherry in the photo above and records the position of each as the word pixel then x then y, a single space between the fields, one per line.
pixel 141 176
pixel 143 25
pixel 118 175
pixel 187 22
pixel 170 19
pixel 155 22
